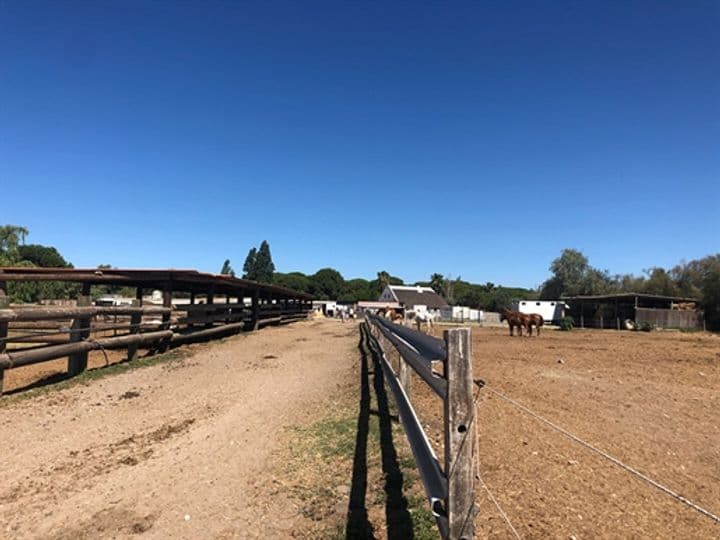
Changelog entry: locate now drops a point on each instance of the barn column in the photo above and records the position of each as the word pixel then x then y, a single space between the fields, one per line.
pixel 77 362
pixel 135 322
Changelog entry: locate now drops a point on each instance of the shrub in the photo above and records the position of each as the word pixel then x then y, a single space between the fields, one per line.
pixel 646 327
pixel 566 324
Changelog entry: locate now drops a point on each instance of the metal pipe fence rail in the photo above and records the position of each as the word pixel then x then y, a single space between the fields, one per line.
pixel 450 488
pixel 30 335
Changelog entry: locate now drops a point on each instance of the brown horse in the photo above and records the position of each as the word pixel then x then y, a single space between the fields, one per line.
pixel 515 318
pixel 391 314
pixel 536 320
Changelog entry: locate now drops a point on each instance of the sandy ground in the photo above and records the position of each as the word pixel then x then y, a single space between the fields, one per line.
pixel 649 399
pixel 177 450
pixel 198 447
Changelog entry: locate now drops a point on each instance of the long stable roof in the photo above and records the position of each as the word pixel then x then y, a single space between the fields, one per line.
pixel 177 280
pixel 619 296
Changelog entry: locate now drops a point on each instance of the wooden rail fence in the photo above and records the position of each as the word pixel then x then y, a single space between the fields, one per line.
pixel 450 489
pixel 33 334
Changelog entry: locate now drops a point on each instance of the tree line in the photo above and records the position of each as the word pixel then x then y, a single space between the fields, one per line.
pixel 571 275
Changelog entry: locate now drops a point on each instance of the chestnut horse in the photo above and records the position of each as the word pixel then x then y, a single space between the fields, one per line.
pixel 537 320
pixel 515 318
pixel 390 314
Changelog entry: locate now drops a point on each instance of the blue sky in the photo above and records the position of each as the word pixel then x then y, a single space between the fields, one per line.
pixel 475 139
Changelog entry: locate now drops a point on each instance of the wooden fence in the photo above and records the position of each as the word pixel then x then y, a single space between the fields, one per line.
pixel 450 489
pixel 33 334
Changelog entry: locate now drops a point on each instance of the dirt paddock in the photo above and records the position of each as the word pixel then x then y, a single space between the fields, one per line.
pixel 198 447
pixel 651 400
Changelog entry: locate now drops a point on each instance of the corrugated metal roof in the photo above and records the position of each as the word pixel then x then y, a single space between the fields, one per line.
pixel 179 280
pixel 631 295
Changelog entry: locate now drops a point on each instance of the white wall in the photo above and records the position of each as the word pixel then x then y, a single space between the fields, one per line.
pixel 551 310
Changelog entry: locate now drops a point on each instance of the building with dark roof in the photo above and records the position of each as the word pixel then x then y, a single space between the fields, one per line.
pixel 413 298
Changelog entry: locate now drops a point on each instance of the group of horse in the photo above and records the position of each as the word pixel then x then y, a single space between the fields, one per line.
pixel 515 319
pixel 420 318
pixel 522 320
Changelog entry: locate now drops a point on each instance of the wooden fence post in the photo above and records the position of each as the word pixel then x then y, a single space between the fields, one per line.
pixel 404 372
pixel 77 362
pixel 459 415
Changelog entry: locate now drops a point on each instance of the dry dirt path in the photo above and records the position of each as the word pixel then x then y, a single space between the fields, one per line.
pixel 178 450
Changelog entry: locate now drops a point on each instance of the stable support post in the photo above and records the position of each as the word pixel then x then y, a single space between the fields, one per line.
pixel 4 302
pixel 167 302
pixel 255 316
pixel 459 440
pixel 77 362
pixel 135 322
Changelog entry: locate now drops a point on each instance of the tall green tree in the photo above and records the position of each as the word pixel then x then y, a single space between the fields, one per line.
pixel 264 266
pixel 259 265
pixel 573 275
pixel 250 266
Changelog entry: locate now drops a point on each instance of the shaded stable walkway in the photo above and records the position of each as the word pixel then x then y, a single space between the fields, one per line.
pixel 397 516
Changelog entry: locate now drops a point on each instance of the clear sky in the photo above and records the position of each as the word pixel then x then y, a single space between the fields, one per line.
pixel 475 139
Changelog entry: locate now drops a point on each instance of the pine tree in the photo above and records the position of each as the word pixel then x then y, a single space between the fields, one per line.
pixel 227 269
pixel 264 266
pixel 250 266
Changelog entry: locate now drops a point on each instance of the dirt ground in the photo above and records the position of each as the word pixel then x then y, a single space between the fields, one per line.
pixel 271 435
pixel 182 449
pixel 649 399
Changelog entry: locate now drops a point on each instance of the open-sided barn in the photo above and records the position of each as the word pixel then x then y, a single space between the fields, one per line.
pixel 615 310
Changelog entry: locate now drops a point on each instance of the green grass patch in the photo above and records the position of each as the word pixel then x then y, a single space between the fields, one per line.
pixel 90 375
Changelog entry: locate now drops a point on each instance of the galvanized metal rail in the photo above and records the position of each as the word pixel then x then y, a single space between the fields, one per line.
pixel 450 490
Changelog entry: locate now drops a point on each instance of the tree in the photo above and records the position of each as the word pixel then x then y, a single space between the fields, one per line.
pixel 11 237
pixel 43 256
pixel 437 283
pixel 258 264
pixel 659 282
pixel 327 284
pixel 264 266
pixel 572 275
pixel 296 281
pixel 250 266
pixel 226 269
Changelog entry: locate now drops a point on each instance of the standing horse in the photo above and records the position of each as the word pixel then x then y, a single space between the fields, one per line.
pixel 515 318
pixel 537 320
pixel 421 317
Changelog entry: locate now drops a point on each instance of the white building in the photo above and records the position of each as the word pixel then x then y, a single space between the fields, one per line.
pixel 414 298
pixel 461 314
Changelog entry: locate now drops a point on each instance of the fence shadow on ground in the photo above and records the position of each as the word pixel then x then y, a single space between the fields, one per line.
pixel 397 515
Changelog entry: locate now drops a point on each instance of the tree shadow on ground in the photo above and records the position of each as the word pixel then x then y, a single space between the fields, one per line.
pixel 397 515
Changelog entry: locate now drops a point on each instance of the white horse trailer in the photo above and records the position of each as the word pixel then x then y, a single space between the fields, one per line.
pixel 550 310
